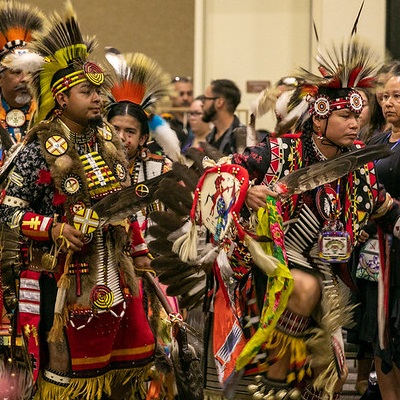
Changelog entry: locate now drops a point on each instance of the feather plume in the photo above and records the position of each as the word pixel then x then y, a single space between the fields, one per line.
pixel 351 64
pixel 169 142
pixel 18 23
pixel 293 119
pixel 62 45
pixel 115 58
pixel 265 101
pixel 137 79
pixel 27 62
pixel 354 30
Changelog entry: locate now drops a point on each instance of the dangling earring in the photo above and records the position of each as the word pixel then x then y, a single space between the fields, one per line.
pixel 319 134
pixel 58 112
pixel 144 153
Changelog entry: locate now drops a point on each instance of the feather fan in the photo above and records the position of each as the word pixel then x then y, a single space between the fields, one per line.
pixel 167 263
pixel 184 285
pixel 120 205
pixel 175 196
pixel 187 175
pixel 191 300
pixel 167 219
pixel 308 178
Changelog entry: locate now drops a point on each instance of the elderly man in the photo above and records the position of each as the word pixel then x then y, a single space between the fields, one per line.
pixel 16 106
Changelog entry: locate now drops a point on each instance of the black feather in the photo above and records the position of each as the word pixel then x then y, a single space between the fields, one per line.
pixel 191 301
pixel 167 263
pixel 161 246
pixel 188 175
pixel 167 220
pixel 196 155
pixel 175 196
pixel 354 30
pixel 158 231
pixel 211 151
pixel 119 205
pixel 184 285
pixel 171 277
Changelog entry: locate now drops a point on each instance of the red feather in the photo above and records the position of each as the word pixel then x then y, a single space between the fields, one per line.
pixel 367 82
pixel 59 198
pixel 324 72
pixel 44 177
pixel 129 91
pixel 353 76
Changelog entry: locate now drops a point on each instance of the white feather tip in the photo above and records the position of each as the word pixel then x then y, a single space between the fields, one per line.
pixel 27 62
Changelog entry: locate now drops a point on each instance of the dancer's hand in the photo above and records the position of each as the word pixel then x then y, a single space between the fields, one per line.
pixel 257 195
pixel 67 237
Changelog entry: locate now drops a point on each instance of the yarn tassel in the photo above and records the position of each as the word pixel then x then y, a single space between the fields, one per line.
pixel 186 245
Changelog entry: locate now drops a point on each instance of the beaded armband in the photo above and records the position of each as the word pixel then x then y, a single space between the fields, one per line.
pixel 36 226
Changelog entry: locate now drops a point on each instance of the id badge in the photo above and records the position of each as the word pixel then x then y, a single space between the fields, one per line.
pixel 334 243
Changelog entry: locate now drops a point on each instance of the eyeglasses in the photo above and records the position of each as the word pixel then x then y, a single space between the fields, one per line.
pixel 194 113
pixel 182 79
pixel 204 98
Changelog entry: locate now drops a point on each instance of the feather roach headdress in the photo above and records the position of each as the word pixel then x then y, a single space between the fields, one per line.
pixel 140 81
pixel 65 54
pixel 17 24
pixel 343 69
pixel 137 79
